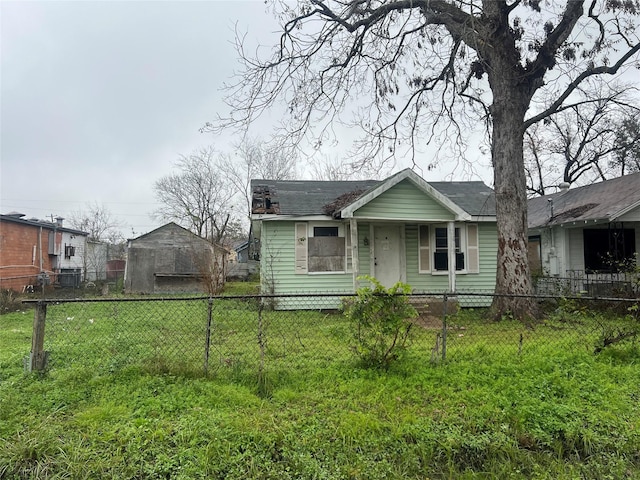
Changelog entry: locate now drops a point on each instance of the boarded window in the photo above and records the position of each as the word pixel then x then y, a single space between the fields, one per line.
pixel 327 254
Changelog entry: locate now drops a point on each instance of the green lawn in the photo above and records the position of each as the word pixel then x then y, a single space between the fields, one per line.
pixel 126 398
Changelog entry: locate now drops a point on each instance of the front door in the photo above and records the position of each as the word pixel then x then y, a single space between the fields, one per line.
pixel 388 251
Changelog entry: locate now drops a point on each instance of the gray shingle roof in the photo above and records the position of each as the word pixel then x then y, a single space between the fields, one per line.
pixel 306 197
pixel 599 201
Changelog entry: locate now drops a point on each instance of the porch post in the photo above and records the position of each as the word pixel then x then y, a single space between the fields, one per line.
pixel 355 260
pixel 451 251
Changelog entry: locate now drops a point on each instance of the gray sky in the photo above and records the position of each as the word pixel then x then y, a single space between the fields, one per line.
pixel 98 99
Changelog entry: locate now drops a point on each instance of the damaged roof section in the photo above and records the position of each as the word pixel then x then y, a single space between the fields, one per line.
pixel 333 209
pixel 301 197
pixel 264 199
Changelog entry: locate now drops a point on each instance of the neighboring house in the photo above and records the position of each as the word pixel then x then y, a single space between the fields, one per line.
pixel 242 252
pixel 171 259
pixel 35 251
pixel 321 236
pixel 587 234
pixel 244 265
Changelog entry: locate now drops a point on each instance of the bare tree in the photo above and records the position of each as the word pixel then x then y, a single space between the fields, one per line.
pixel 105 237
pixel 583 143
pixel 98 222
pixel 197 197
pixel 337 169
pixel 253 159
pixel 628 133
pixel 413 71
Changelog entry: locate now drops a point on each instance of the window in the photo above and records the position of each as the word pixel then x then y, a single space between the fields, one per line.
pixel 323 248
pixel 441 254
pixel 69 251
pixel 605 250
pixel 433 246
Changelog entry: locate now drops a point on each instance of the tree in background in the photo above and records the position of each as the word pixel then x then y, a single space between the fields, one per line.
pixel 592 140
pixel 198 196
pixel 628 133
pixel 410 72
pixel 98 222
pixel 105 239
pixel 337 169
pixel 253 159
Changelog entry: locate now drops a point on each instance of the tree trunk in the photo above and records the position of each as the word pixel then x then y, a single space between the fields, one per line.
pixel 513 277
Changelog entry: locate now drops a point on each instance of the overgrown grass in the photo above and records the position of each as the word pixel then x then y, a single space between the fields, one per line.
pixel 117 409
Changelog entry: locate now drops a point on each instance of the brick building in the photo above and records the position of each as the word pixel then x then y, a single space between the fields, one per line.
pixel 34 251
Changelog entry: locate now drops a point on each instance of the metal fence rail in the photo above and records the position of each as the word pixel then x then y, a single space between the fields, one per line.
pixel 237 337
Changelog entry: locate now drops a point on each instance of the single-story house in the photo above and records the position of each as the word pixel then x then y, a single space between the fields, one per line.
pixel 35 252
pixel 588 235
pixel 172 259
pixel 321 236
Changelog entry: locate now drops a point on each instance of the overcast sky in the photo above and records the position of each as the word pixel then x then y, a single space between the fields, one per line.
pixel 98 99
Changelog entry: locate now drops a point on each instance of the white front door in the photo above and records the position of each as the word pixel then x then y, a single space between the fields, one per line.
pixel 388 254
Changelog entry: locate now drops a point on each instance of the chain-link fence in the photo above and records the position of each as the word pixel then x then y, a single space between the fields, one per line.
pixel 239 337
pixel 66 283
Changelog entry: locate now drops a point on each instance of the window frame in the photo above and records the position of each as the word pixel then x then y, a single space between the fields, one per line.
pixel 343 232
pixel 461 229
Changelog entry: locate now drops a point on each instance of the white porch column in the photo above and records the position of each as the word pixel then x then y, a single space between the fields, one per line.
pixel 451 251
pixel 355 260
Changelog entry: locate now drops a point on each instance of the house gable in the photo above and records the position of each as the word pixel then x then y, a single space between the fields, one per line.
pixel 630 215
pixel 405 196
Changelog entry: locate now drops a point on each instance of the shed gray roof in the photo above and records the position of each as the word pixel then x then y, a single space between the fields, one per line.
pixel 604 201
pixel 309 197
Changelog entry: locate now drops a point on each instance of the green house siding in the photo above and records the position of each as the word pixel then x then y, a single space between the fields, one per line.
pixel 278 267
pixel 404 202
pixel 364 254
pixel 482 281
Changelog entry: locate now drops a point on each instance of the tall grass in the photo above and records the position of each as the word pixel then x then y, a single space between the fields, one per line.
pixel 120 409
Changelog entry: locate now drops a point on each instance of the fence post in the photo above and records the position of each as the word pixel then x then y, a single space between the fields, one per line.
pixel 38 357
pixel 444 327
pixel 207 343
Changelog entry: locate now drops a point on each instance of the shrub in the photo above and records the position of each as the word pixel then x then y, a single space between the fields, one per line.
pixel 381 319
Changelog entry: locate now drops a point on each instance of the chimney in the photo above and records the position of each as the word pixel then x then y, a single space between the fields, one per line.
pixel 59 221
pixel 564 187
